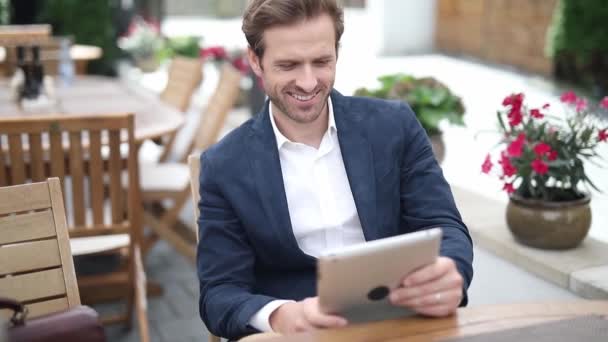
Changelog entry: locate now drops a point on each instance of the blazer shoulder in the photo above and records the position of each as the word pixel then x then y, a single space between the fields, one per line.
pixel 382 112
pixel 230 147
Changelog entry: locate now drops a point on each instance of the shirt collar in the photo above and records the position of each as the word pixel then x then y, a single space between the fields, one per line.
pixel 281 139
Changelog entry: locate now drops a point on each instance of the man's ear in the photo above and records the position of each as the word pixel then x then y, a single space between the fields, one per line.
pixel 254 62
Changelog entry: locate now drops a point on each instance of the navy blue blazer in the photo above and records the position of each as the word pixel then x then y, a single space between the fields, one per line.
pixel 248 255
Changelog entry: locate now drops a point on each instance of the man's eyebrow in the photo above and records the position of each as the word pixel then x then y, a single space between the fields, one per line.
pixel 285 61
pixel 293 61
pixel 324 57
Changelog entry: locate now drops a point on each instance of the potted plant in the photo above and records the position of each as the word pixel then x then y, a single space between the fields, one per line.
pixel 142 42
pixel 431 101
pixel 542 167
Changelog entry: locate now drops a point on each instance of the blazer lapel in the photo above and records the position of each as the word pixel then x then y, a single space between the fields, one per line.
pixel 359 163
pixel 268 176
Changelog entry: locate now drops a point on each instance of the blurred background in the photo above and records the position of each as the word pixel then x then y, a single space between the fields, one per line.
pixel 453 61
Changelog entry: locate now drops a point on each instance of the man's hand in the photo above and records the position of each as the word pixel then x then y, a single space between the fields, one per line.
pixel 434 290
pixel 303 316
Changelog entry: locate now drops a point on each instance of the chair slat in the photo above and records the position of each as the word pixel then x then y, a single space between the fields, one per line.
pixel 57 157
pixel 38 309
pixel 33 198
pixel 3 179
pixel 63 242
pixel 194 164
pixel 16 154
pixel 184 77
pixel 96 183
pixel 115 171
pixel 28 286
pixel 22 259
pixel 25 227
pixel 47 307
pixel 77 173
pixel 223 99
pixel 36 158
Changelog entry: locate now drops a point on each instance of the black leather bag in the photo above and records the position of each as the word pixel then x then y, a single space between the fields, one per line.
pixel 80 323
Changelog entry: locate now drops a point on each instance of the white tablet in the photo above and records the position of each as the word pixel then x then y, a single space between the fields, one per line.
pixel 355 281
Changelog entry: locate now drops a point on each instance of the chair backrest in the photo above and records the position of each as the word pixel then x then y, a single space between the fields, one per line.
pixel 185 75
pixel 214 116
pixel 194 163
pixel 94 156
pixel 11 34
pixel 36 262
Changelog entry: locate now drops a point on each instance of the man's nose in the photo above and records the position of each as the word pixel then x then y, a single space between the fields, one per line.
pixel 307 80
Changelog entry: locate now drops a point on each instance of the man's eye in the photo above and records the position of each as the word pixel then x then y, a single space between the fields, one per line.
pixel 322 63
pixel 286 66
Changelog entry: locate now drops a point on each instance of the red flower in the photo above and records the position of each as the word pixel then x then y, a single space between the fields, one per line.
pixel 515 147
pixel 513 99
pixel 215 52
pixel 581 104
pixel 546 106
pixel 541 149
pixel 604 103
pixel 508 187
pixel 508 169
pixel 241 64
pixel 539 166
pixel 552 155
pixel 568 97
pixel 515 116
pixel 602 135
pixel 537 114
pixel 487 165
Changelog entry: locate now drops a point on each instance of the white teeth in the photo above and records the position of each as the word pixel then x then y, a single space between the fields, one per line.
pixel 303 98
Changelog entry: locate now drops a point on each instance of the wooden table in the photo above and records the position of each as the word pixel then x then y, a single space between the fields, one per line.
pixel 467 321
pixel 81 55
pixel 89 95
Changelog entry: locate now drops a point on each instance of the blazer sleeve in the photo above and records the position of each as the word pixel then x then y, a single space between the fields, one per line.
pixel 427 201
pixel 225 262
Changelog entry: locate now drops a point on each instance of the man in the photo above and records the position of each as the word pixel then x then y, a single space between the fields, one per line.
pixel 315 170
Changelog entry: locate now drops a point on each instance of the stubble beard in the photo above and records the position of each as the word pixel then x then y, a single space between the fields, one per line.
pixel 300 119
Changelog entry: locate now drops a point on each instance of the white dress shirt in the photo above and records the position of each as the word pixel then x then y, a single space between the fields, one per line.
pixel 321 205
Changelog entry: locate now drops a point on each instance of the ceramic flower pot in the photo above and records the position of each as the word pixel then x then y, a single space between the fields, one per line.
pixel 438 146
pixel 549 225
pixel 147 64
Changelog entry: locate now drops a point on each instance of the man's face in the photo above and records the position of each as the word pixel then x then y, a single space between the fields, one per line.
pixel 298 67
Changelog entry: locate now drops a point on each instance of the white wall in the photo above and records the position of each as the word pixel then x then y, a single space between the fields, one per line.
pixel 403 26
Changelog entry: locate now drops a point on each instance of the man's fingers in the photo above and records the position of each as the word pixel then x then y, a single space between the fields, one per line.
pixel 450 281
pixel 301 324
pixel 451 297
pixel 440 310
pixel 319 319
pixel 429 273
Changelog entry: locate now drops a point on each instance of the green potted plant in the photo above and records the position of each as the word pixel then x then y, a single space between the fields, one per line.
pixel 541 165
pixel 185 46
pixel 431 101
pixel 143 41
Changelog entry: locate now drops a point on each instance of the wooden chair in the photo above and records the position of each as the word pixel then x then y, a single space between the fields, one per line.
pixel 162 181
pixel 12 35
pixel 185 75
pixel 194 165
pixel 85 153
pixel 24 33
pixel 35 248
